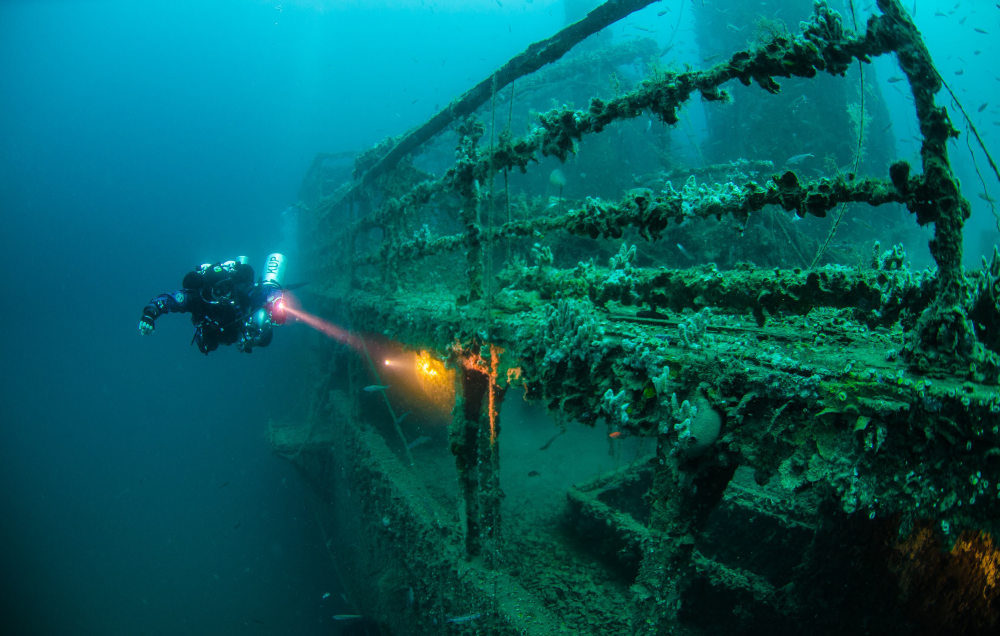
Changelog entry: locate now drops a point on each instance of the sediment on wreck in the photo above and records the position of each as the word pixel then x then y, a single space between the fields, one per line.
pixel 788 412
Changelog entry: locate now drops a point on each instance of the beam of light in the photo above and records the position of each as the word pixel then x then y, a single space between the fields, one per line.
pixel 328 329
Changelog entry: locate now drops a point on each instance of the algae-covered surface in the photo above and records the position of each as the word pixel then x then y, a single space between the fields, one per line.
pixel 599 376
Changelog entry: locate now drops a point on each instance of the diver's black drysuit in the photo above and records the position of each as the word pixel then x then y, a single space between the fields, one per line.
pixel 226 307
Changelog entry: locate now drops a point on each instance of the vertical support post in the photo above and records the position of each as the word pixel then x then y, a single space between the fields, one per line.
pixel 390 259
pixel 468 187
pixel 473 438
pixel 471 389
pixel 489 483
pixel 473 243
pixel 683 494
pixel 944 327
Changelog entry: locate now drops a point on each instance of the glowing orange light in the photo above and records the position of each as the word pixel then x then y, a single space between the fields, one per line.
pixel 425 364
pixel 981 551
pixel 436 380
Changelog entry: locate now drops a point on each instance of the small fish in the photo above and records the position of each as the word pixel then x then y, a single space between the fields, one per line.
pixel 791 161
pixel 376 387
pixel 863 224
pixel 650 124
pixel 399 420
pixel 238 523
pixel 423 439
pixel 940 14
pixel 223 485
pixel 347 617
pixel 549 443
pixel 635 26
pixel 983 107
pixel 667 50
pixel 959 72
pixel 983 31
pixel 257 621
pixel 615 435
pixel 414 102
pixel 500 3
pixel 533 473
pixel 462 619
pixel 663 13
pixel 894 79
pixel 886 129
pixel 326 596
pixel 710 57
pixel 684 251
pixel 733 27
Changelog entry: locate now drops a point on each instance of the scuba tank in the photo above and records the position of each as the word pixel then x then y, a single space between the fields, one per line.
pixel 274 271
pixel 272 282
pixel 258 328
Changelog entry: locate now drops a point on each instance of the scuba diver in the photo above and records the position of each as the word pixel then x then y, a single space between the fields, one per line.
pixel 225 304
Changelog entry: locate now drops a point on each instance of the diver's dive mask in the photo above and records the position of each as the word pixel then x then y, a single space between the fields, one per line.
pixel 218 285
pixel 222 291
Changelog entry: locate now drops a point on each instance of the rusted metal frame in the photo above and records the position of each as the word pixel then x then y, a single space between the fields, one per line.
pixel 528 61
pixel 652 212
pixel 944 326
pixel 463 440
pixel 661 95
pixel 473 243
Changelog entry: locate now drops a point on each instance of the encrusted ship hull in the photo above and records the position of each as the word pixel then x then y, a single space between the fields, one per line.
pixel 700 449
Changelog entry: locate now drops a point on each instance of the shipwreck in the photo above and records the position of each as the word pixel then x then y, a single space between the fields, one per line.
pixel 641 386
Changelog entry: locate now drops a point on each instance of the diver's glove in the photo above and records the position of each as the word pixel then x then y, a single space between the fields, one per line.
pixel 146 326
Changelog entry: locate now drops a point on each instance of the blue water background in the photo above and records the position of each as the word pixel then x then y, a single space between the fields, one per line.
pixel 138 139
